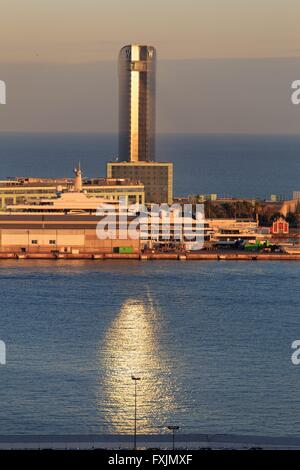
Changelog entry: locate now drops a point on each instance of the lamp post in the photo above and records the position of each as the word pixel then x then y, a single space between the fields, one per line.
pixel 135 406
pixel 173 429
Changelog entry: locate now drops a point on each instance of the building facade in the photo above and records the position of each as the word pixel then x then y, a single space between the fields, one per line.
pixel 29 233
pixel 20 190
pixel 233 229
pixel 68 223
pixel 137 75
pixel 280 227
pixel 157 178
pixel 296 195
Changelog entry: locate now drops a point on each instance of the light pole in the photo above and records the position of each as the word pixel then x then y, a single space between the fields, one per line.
pixel 135 407
pixel 173 429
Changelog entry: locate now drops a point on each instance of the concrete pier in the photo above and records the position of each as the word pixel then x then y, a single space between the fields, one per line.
pixel 203 256
pixel 150 441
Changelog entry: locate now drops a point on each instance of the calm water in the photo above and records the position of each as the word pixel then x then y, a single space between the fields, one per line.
pixel 210 340
pixel 227 165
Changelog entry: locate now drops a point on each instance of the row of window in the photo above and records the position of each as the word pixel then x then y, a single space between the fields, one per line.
pixel 123 190
pixel 29 191
pixel 53 191
pixel 51 242
pixel 139 172
pixel 20 200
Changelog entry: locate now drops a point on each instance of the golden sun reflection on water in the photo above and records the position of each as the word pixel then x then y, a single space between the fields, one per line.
pixel 131 347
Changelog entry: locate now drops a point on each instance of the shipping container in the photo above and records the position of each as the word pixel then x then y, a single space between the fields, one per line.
pixel 123 249
pixel 126 249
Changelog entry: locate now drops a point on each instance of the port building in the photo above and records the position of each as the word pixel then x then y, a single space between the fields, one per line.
pixel 68 224
pixel 64 224
pixel 25 189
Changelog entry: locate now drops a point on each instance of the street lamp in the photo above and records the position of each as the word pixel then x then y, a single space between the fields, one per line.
pixel 135 407
pixel 173 429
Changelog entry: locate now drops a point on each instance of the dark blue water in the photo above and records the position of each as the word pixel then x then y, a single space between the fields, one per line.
pixel 245 166
pixel 211 342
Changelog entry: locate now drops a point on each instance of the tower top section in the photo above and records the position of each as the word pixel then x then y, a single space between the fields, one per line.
pixel 137 102
pixel 138 52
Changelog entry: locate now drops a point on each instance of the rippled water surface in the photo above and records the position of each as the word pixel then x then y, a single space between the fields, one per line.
pixel 211 342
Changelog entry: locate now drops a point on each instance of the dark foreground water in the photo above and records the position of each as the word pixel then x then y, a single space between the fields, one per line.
pixel 229 165
pixel 211 342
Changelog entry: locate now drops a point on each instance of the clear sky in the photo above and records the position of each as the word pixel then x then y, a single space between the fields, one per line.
pixel 223 65
pixel 78 31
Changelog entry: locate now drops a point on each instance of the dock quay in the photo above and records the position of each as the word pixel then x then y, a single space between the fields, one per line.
pixel 205 256
pixel 147 441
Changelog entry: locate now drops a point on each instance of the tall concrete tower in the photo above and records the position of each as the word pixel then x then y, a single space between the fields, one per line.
pixel 137 75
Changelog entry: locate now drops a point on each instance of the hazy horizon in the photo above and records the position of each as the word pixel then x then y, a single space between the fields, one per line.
pixel 223 67
pixel 249 134
pixel 208 96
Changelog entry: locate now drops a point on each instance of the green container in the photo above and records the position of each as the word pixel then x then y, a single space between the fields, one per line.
pixel 251 247
pixel 125 249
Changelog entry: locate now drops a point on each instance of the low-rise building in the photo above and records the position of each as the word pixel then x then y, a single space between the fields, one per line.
pixel 20 190
pixel 67 223
pixel 296 195
pixel 233 229
pixel 280 227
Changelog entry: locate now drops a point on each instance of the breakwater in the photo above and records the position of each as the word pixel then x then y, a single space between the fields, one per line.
pixel 156 256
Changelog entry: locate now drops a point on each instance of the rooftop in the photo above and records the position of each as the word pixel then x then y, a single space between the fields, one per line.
pixel 26 181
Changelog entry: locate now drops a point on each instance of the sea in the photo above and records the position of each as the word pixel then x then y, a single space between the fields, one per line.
pixel 227 165
pixel 211 341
